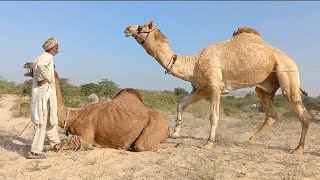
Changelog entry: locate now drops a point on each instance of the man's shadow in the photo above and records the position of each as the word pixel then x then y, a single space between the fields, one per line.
pixel 7 142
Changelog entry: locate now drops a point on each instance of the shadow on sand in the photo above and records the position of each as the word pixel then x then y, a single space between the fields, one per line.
pixel 11 143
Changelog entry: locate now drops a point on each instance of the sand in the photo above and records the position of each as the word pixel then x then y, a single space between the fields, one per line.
pixel 230 158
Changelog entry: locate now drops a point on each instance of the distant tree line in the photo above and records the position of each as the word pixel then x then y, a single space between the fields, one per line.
pixel 76 96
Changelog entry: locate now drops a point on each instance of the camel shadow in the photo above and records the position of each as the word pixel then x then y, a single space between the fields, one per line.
pixel 189 137
pixel 313 153
pixel 285 149
pixel 290 150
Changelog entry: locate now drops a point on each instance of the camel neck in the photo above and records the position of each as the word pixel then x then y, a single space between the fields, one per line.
pixel 66 118
pixel 65 115
pixel 179 66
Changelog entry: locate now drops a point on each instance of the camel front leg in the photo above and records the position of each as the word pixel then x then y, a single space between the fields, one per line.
pixel 181 106
pixel 75 143
pixel 214 116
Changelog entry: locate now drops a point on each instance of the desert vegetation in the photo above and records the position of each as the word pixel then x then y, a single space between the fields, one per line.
pixel 75 96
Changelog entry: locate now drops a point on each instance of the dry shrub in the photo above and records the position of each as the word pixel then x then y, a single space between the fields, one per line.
pixel 209 167
pixel 34 166
pixel 6 138
pixel 21 108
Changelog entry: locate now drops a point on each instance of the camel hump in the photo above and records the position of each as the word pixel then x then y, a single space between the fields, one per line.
pixel 246 30
pixel 131 91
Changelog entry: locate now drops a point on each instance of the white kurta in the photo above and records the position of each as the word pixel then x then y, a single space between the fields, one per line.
pixel 44 68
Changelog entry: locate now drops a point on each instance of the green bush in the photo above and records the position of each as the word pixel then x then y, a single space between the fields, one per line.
pixel 6 87
pixel 159 100
pixel 200 109
pixel 72 95
pixel 238 106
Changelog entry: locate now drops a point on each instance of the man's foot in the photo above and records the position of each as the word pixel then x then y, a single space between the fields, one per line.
pixel 32 155
pixel 56 147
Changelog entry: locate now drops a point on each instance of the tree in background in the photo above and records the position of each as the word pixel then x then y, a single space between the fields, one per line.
pixel 108 88
pixel 180 92
pixel 87 89
pixel 72 95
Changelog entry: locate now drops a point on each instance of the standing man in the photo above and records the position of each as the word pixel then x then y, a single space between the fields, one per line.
pixel 44 100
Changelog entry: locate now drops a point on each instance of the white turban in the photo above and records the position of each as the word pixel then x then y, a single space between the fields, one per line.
pixel 49 43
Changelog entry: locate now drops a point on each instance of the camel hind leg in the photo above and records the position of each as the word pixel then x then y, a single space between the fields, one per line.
pixel 290 86
pixel 271 114
pixel 155 132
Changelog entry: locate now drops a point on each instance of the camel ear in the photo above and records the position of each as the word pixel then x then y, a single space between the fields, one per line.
pixel 152 25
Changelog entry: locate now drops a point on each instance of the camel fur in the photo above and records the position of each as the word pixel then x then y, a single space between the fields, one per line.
pixel 244 60
pixel 123 123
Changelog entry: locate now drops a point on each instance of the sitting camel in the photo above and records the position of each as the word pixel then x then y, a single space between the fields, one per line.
pixel 123 123
pixel 244 60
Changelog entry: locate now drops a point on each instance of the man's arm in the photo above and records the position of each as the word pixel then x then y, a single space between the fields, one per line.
pixel 40 83
pixel 43 70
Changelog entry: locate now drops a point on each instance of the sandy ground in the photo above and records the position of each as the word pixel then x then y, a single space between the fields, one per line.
pixel 231 158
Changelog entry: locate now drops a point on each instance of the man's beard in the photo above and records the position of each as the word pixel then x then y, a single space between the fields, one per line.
pixel 54 53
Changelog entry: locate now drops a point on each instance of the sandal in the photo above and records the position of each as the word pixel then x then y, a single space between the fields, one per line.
pixel 32 155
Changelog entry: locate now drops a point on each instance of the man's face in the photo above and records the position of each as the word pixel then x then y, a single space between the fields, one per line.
pixel 54 50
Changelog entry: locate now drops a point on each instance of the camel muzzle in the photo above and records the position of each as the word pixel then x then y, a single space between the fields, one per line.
pixel 29 66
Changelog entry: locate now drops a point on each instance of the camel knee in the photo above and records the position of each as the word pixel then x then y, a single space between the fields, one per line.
pixel 304 122
pixel 141 147
pixel 270 121
pixel 180 107
pixel 306 115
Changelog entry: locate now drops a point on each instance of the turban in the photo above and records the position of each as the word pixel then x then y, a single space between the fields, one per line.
pixel 49 43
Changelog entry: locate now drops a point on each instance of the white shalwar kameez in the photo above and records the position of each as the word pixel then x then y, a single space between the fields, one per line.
pixel 44 103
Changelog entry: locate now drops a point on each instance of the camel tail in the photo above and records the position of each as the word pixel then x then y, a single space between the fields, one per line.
pixel 304 92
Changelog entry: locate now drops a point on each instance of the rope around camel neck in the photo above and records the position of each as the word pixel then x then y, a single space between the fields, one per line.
pixel 65 121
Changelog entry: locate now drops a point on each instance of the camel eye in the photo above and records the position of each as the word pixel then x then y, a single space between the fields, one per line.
pixel 139 28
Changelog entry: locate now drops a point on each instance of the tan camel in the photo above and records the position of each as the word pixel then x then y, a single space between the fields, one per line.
pixel 123 123
pixel 245 60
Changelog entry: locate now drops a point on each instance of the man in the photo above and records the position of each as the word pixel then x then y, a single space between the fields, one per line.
pixel 44 100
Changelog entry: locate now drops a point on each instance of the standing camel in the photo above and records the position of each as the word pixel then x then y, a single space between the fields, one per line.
pixel 123 123
pixel 245 60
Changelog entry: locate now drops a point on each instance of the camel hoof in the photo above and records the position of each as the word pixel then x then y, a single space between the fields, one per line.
pixel 175 135
pixel 251 141
pixel 208 145
pixel 298 151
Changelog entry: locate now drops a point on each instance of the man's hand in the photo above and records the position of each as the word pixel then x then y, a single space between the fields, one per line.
pixel 40 83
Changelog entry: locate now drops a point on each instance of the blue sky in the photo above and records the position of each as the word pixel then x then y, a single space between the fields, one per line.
pixel 93 46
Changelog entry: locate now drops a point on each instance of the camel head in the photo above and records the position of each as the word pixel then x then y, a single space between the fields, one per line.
pixel 29 66
pixel 145 33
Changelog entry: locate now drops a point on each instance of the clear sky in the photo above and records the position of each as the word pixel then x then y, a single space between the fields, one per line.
pixel 93 46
